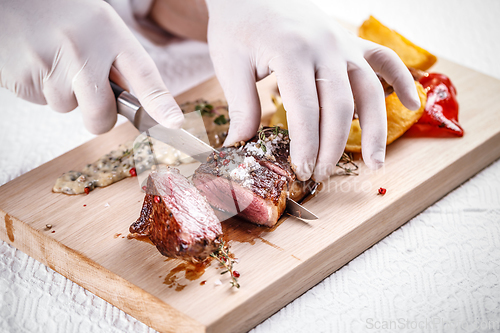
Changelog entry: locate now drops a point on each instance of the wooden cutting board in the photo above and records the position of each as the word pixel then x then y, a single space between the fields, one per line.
pixel 87 242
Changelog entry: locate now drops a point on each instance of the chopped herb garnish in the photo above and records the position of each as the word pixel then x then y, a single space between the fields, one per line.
pixel 126 152
pixel 137 145
pixel 205 109
pixel 220 120
pixel 261 134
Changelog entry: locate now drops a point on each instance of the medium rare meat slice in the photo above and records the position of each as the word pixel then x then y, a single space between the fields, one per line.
pixel 254 180
pixel 177 218
pixel 242 187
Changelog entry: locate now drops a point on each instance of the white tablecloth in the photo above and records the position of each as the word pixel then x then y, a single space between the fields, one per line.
pixel 438 273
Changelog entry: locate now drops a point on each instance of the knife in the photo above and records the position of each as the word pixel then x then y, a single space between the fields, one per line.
pixel 295 209
pixel 130 107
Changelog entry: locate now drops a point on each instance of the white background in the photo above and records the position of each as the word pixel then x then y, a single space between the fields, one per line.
pixel 437 273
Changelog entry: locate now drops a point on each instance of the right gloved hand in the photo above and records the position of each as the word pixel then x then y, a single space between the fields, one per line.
pixel 61 53
pixel 320 68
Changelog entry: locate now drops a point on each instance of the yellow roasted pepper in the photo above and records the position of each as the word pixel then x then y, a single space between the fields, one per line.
pixel 412 55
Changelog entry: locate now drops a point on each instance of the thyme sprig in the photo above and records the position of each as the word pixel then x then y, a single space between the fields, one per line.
pixel 261 134
pixel 222 256
pixel 275 130
pixel 347 164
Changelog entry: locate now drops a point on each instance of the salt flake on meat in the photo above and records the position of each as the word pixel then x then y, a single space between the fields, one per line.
pixel 256 185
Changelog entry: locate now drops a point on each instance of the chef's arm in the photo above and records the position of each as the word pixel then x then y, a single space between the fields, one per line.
pixel 185 18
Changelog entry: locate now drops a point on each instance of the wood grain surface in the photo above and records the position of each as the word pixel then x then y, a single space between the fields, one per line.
pixel 87 242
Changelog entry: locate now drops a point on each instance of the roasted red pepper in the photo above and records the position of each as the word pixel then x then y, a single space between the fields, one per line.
pixel 440 118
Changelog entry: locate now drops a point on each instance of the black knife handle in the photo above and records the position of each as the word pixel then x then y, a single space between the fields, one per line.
pixel 117 90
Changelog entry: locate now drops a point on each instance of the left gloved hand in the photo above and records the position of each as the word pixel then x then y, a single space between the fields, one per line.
pixel 62 53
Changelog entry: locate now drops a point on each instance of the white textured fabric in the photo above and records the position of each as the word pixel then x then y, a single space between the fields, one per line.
pixel 438 273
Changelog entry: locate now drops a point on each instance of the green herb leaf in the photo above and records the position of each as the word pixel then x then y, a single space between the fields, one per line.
pixel 220 120
pixel 261 134
pixel 137 145
pixel 205 109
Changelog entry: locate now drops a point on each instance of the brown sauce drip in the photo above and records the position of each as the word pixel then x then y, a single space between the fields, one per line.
pixel 9 226
pixel 192 271
pixel 117 235
pixel 179 287
pixel 265 241
pixel 140 238
pixel 238 230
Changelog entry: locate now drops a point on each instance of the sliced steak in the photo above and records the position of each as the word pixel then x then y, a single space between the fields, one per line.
pixel 272 149
pixel 252 181
pixel 256 194
pixel 177 218
pixel 276 157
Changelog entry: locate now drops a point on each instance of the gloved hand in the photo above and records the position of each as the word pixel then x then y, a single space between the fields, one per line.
pixel 60 53
pixel 319 67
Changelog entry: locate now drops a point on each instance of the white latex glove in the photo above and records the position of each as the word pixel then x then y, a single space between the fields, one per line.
pixel 319 67
pixel 60 53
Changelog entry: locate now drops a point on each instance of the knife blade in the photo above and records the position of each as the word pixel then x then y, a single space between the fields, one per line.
pixel 297 210
pixel 130 107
